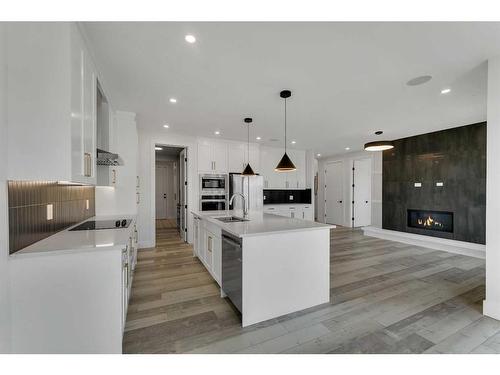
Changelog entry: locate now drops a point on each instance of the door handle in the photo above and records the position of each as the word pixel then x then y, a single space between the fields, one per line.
pixel 366 201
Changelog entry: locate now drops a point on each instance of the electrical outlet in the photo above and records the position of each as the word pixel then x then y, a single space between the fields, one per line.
pixel 50 211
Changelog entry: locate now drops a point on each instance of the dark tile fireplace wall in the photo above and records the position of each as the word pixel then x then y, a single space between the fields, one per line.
pixel 457 158
pixel 28 209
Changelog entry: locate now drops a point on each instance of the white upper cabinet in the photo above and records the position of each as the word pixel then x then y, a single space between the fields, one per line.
pixel 205 162
pixel 219 157
pixel 296 179
pixel 215 156
pixel 51 119
pixel 255 158
pixel 237 157
pixel 270 157
pixel 212 157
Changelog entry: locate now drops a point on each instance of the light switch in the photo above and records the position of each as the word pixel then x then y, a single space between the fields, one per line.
pixel 291 197
pixel 439 184
pixel 417 184
pixel 50 211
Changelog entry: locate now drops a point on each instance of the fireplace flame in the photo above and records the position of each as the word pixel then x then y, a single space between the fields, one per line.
pixel 429 222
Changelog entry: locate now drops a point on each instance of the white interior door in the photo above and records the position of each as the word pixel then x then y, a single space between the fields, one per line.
pixel 362 192
pixel 161 192
pixel 334 193
pixel 183 193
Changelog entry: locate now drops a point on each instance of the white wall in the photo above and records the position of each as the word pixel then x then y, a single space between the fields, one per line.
pixel 5 334
pixel 348 160
pixel 491 305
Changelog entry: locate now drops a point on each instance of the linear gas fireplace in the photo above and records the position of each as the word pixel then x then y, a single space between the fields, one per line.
pixel 441 221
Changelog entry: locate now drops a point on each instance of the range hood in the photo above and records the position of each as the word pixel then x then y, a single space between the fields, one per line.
pixel 107 158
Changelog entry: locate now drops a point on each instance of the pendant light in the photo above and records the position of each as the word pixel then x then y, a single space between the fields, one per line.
pixel 285 164
pixel 248 171
pixel 379 145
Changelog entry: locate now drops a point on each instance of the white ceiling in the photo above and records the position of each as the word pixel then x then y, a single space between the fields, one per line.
pixel 347 79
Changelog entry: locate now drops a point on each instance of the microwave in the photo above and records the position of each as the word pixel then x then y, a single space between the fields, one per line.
pixel 213 183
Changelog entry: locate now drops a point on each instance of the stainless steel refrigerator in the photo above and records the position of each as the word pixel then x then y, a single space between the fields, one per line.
pixel 251 187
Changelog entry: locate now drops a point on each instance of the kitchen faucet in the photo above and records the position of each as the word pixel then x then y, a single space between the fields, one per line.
pixel 245 211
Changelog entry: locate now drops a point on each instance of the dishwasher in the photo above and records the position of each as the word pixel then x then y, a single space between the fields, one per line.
pixel 232 268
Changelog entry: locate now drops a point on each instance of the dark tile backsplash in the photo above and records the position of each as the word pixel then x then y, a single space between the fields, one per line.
pixel 28 209
pixel 288 196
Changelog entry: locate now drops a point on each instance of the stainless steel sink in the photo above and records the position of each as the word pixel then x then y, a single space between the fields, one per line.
pixel 231 219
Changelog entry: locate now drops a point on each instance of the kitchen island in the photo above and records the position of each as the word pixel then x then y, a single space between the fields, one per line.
pixel 268 265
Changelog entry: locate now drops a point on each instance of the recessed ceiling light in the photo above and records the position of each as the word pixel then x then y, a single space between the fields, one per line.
pixel 293 142
pixel 419 80
pixel 318 155
pixel 173 100
pixel 166 126
pixel 217 132
pixel 258 138
pixel 347 148
pixel 445 91
pixel 190 38
pixel 158 148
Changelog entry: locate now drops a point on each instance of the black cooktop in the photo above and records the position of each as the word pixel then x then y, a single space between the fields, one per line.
pixel 103 224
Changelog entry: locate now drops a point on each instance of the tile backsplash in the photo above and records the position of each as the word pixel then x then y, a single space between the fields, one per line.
pixel 28 202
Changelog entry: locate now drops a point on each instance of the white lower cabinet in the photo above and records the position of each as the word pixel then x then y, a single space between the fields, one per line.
pixel 297 211
pixel 91 302
pixel 208 247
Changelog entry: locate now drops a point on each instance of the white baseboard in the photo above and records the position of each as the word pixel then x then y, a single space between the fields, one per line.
pixel 491 309
pixel 145 245
pixel 451 246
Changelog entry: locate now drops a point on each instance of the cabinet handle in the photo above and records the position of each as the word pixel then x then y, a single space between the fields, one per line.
pixel 114 177
pixel 215 166
pixel 297 183
pixel 210 244
pixel 87 165
pixel 138 182
pixel 137 198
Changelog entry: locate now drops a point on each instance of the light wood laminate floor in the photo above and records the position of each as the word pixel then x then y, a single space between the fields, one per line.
pixel 386 297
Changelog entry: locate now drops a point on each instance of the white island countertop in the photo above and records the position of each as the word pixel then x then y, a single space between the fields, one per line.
pixel 78 241
pixel 259 223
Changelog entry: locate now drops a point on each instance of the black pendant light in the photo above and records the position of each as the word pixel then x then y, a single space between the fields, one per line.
pixel 248 171
pixel 285 164
pixel 379 145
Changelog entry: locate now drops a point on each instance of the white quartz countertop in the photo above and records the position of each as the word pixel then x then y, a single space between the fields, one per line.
pixel 259 223
pixel 84 240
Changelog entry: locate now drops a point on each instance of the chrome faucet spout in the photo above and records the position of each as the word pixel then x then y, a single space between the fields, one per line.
pixel 245 211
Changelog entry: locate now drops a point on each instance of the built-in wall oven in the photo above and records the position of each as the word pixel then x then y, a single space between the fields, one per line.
pixel 213 183
pixel 213 203
pixel 213 192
